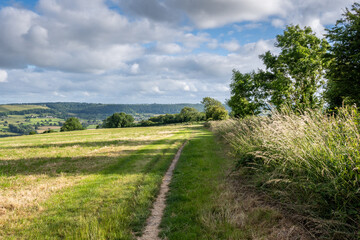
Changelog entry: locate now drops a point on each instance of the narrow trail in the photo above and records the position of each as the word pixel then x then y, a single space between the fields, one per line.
pixel 152 230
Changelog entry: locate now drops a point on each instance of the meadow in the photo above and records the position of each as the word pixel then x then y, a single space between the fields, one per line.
pixel 101 184
pixel 95 184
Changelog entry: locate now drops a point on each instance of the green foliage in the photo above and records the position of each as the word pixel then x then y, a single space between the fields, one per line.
pixel 21 128
pixel 187 114
pixel 292 78
pixel 101 111
pixel 344 70
pixel 71 124
pixel 311 161
pixel 118 120
pixel 214 110
pixel 161 119
pixel 246 98
pixel 297 73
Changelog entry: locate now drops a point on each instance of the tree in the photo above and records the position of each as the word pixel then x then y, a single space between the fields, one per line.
pixel 21 128
pixel 344 68
pixel 214 110
pixel 71 124
pixel 118 120
pixel 295 76
pixel 189 114
pixel 292 78
pixel 246 98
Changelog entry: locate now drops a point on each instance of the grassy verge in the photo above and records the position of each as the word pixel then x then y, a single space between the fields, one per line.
pixel 309 162
pixel 203 204
pixel 95 184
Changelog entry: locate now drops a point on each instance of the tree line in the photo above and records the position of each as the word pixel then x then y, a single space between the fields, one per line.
pixel 296 76
pixel 214 110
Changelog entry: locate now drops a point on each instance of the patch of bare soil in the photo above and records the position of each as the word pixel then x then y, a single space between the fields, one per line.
pixel 152 230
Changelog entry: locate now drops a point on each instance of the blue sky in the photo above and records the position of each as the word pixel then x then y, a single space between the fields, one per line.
pixel 141 51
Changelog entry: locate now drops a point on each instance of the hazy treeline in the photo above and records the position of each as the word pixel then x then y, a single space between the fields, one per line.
pixel 101 111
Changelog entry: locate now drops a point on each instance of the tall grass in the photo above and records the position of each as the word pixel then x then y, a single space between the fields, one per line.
pixel 311 160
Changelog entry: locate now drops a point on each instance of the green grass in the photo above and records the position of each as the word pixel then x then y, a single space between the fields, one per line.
pixel 21 119
pixel 101 184
pixel 200 204
pixel 93 184
pixel 13 108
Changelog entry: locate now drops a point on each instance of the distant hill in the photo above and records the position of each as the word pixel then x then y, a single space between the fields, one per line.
pixel 97 110
pixel 19 107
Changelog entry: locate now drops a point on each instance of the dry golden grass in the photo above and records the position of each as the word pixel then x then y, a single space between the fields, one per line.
pixel 22 201
pixel 45 128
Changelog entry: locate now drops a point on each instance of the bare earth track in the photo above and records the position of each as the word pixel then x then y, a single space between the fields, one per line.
pixel 152 230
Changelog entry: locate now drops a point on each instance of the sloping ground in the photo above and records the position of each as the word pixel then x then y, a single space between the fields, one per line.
pixel 16 108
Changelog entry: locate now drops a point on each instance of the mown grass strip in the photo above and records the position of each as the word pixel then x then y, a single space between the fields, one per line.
pixel 201 205
pixel 192 190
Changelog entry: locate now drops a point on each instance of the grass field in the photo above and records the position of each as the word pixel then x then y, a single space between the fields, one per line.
pixel 100 184
pixel 45 128
pixel 9 108
pixel 96 184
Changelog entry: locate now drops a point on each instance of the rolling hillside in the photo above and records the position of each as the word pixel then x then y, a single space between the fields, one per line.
pixel 19 107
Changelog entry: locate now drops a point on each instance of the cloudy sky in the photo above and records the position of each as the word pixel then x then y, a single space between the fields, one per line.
pixel 141 51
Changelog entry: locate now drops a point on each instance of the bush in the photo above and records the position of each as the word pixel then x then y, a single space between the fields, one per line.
pixel 310 160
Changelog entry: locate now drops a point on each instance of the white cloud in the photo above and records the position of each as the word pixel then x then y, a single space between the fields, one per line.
pixel 79 36
pixel 168 48
pixel 134 68
pixel 148 51
pixel 215 13
pixel 278 23
pixel 3 76
pixel 315 14
pixel 213 44
pixel 252 25
pixel 205 14
pixel 231 46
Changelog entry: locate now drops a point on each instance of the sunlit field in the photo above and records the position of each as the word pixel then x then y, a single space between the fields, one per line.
pixel 96 184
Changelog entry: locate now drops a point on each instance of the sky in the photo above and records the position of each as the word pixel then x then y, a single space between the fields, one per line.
pixel 141 51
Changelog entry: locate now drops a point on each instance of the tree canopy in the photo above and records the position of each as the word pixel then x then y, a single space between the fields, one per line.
pixel 344 69
pixel 118 120
pixel 292 78
pixel 71 124
pixel 187 114
pixel 214 110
